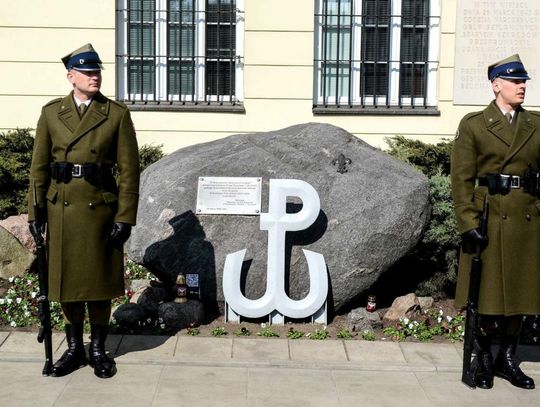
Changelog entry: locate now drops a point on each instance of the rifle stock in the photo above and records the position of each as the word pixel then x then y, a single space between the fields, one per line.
pixel 471 320
pixel 44 309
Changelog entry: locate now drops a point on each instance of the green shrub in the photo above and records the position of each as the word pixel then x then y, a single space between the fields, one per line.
pixel 149 154
pixel 15 158
pixel 431 159
pixel 434 259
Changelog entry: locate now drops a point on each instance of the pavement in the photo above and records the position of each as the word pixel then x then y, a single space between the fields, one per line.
pixel 230 371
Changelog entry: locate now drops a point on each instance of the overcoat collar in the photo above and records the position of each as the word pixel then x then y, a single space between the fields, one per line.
pixel 94 116
pixel 497 125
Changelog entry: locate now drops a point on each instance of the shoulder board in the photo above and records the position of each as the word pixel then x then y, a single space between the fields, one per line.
pixel 57 100
pixel 118 103
pixel 534 112
pixel 472 115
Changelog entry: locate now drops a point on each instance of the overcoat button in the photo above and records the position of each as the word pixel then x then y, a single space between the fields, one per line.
pixel 91 205
pixel 528 217
pixel 66 203
pixel 504 217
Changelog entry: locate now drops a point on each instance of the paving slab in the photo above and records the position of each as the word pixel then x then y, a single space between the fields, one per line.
pixel 23 385
pixel 26 343
pixel 291 387
pixel 379 388
pixel 375 352
pixel 136 347
pixel 203 349
pixel 202 387
pixel 3 337
pixel 446 389
pixel 307 350
pixel 434 354
pixel 133 385
pixel 260 350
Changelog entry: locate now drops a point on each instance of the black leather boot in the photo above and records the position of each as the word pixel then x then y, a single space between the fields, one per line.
pixel 484 363
pixel 506 365
pixel 104 367
pixel 74 357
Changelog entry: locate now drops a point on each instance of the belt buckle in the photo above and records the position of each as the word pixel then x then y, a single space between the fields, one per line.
pixel 76 171
pixel 515 182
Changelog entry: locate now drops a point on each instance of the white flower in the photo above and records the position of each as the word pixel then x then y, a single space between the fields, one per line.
pixel 416 323
pixel 9 300
pixel 459 328
pixel 33 294
pixel 13 324
pixel 27 313
pixel 263 325
pixel 11 279
pixel 2 301
pixel 19 299
pixel 411 326
pixel 405 321
pixel 439 320
pixel 449 318
pixel 441 312
pixel 162 326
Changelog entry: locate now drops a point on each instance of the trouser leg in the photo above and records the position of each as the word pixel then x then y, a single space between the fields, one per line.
pixel 99 313
pixel 74 357
pixel 506 365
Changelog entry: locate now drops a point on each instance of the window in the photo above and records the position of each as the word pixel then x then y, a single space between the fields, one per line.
pixel 180 53
pixel 376 56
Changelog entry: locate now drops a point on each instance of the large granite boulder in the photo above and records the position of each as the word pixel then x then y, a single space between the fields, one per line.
pixel 15 259
pixel 18 226
pixel 372 212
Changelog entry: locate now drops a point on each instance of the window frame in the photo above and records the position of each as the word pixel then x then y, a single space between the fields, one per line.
pixel 161 99
pixel 354 102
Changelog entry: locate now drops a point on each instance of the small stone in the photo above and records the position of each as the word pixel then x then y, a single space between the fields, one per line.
pixel 425 303
pixel 360 320
pixel 177 316
pixel 402 307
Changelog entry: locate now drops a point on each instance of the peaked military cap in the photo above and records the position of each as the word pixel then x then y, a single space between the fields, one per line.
pixel 508 68
pixel 84 58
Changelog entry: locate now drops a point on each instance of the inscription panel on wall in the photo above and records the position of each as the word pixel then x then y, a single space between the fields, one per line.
pixel 488 31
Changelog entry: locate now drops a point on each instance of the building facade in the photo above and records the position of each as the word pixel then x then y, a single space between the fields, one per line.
pixel 194 71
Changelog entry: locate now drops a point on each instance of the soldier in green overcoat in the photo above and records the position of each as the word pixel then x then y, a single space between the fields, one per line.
pixel 496 156
pixel 80 140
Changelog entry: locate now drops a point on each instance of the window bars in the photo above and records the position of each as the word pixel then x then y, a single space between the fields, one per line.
pixel 374 53
pixel 177 51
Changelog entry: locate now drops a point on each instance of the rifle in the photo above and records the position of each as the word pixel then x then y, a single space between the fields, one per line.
pixel 44 309
pixel 471 320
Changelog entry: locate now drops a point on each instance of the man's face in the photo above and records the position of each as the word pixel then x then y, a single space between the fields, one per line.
pixel 85 83
pixel 510 92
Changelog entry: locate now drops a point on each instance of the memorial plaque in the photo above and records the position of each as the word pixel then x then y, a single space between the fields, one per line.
pixel 488 31
pixel 229 196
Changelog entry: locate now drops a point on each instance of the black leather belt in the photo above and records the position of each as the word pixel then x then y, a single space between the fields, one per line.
pixel 95 173
pixel 513 181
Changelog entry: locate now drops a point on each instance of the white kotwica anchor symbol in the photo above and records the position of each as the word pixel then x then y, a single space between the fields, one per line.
pixel 277 221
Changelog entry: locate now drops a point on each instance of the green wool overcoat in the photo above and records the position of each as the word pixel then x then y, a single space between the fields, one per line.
pixel 486 143
pixel 82 265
